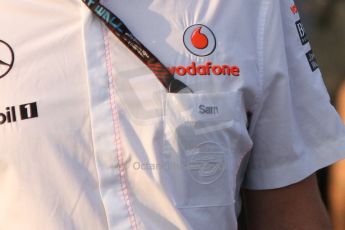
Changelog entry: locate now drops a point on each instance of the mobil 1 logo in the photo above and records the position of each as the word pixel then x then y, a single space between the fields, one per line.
pixel 13 114
pixel 301 32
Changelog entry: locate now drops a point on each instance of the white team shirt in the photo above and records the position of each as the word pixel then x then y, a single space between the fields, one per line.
pixel 89 138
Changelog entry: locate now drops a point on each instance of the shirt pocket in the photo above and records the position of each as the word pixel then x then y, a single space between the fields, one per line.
pixel 205 141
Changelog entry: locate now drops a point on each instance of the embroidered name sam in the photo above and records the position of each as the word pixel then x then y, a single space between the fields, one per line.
pixel 203 109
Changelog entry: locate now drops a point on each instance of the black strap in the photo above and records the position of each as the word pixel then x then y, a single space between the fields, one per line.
pixel 119 29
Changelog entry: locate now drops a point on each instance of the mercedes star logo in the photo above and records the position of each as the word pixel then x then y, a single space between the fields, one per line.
pixel 6 58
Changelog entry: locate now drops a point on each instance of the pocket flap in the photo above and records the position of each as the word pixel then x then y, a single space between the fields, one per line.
pixel 201 106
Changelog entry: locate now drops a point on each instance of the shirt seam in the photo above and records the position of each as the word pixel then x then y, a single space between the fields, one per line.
pixel 89 110
pixel 262 19
pixel 316 161
pixel 117 137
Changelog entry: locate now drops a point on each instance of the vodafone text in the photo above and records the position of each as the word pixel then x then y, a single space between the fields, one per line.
pixel 207 69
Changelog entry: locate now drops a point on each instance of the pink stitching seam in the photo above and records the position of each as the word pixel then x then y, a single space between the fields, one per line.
pixel 117 138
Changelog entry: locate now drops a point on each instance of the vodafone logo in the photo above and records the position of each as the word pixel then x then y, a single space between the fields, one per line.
pixel 6 58
pixel 199 40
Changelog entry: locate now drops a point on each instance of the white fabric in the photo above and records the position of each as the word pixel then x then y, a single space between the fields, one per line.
pixel 110 149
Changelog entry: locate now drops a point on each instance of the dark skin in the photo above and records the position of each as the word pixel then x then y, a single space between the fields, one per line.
pixel 296 207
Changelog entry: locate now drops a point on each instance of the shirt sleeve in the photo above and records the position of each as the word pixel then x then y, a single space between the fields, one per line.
pixel 295 129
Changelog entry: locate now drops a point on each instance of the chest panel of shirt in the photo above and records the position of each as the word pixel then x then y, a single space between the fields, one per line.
pixel 160 26
pixel 139 96
pixel 45 92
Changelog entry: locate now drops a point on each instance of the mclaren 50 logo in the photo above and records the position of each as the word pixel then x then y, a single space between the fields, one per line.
pixel 6 58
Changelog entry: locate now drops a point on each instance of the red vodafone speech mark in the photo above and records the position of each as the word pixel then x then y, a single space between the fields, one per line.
pixel 294 9
pixel 198 39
